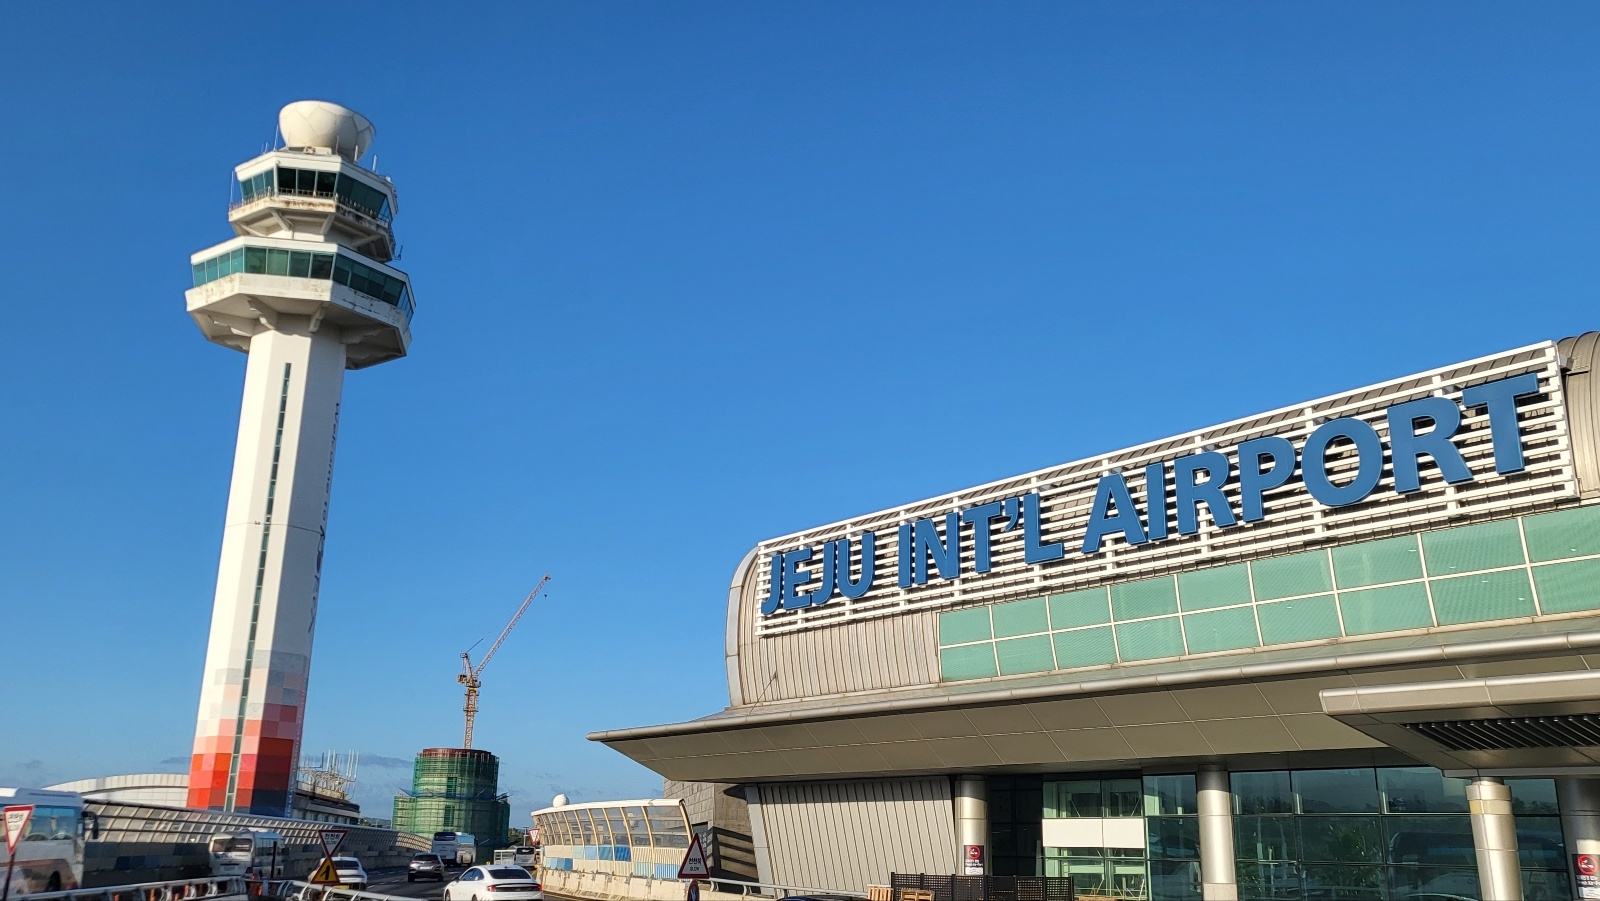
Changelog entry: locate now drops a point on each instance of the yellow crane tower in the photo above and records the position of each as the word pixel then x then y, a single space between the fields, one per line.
pixel 469 673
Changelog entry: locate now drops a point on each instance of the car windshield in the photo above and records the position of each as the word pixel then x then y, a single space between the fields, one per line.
pixel 426 858
pixel 509 873
pixel 346 863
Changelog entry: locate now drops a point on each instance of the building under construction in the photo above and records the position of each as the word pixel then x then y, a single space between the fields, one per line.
pixel 455 790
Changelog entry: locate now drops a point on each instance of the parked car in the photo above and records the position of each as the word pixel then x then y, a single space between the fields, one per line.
pixel 425 865
pixel 351 873
pixel 494 883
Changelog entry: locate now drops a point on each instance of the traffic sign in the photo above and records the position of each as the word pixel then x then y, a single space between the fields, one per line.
pixel 332 839
pixel 325 873
pixel 17 817
pixel 694 862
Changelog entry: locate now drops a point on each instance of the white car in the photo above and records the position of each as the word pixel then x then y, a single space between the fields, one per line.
pixel 494 882
pixel 351 873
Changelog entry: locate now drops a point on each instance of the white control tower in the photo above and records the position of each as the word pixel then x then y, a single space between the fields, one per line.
pixel 306 290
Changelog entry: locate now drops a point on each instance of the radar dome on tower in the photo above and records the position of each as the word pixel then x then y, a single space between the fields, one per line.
pixel 326 127
pixel 559 801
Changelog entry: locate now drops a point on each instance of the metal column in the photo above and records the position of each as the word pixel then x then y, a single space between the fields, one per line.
pixel 1215 805
pixel 972 824
pixel 1580 820
pixel 1494 836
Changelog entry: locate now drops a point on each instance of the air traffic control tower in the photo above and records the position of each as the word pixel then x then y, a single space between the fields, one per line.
pixel 306 290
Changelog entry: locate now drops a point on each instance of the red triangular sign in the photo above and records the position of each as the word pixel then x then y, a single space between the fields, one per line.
pixel 332 839
pixel 17 818
pixel 694 862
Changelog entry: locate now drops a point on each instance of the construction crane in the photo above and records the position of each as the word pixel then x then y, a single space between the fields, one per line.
pixel 469 673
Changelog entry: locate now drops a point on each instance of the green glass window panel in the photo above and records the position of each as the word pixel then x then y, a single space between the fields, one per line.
pixel 1539 844
pixel 322 266
pixel 1124 798
pixel 277 261
pixel 1568 587
pixel 1275 880
pixel 1077 798
pixel 1377 562
pixel 1341 839
pixel 1146 597
pixel 1421 789
pixel 1085 647
pixel 1435 883
pixel 1150 639
pixel 299 264
pixel 1296 574
pixel 1430 841
pixel 1025 655
pixel 1468 549
pixel 1533 796
pixel 1302 619
pixel 1353 790
pixel 1169 795
pixel 1344 883
pixel 1483 597
pixel 1079 608
pixel 1169 838
pixel 1563 534
pixel 973 661
pixel 255 259
pixel 1221 586
pixel 1388 609
pixel 1221 630
pixel 1267 791
pixel 1265 838
pixel 1023 617
pixel 962 626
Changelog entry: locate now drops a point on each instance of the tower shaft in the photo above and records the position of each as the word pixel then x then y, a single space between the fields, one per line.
pixel 259 655
pixel 305 288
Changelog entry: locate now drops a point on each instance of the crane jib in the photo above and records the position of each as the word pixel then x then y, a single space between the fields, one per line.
pixel 469 673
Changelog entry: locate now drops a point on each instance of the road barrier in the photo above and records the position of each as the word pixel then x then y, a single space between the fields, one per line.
pixel 295 890
pixel 176 890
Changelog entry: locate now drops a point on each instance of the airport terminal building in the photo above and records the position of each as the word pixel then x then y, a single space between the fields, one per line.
pixel 1342 649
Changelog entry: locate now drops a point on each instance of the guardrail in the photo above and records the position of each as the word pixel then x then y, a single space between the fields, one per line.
pixel 744 889
pixel 296 890
pixel 176 890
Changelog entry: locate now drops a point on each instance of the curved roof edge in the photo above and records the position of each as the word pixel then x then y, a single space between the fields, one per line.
pixel 644 802
pixel 1276 669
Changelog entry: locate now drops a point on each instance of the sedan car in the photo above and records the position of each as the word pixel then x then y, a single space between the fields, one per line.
pixel 351 873
pixel 494 883
pixel 425 866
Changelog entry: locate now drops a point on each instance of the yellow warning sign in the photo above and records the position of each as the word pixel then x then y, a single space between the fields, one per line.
pixel 325 874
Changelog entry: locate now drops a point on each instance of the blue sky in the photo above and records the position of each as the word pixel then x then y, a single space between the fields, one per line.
pixel 691 275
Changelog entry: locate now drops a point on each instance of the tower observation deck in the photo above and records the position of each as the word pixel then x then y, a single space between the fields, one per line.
pixel 305 288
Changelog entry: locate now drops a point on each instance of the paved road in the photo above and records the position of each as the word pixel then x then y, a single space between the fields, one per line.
pixel 392 881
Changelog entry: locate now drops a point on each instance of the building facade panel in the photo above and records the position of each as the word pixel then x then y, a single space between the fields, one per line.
pixel 839 835
pixel 1346 648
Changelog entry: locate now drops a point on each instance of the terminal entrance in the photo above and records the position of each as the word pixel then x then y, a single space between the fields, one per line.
pixel 1345 833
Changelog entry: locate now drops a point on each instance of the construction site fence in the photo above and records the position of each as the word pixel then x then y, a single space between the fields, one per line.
pixel 175 890
pixel 931 887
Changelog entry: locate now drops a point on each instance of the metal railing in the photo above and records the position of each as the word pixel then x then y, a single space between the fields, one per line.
pixel 175 890
pixel 343 204
pixel 786 890
pixel 304 891
pixel 743 889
